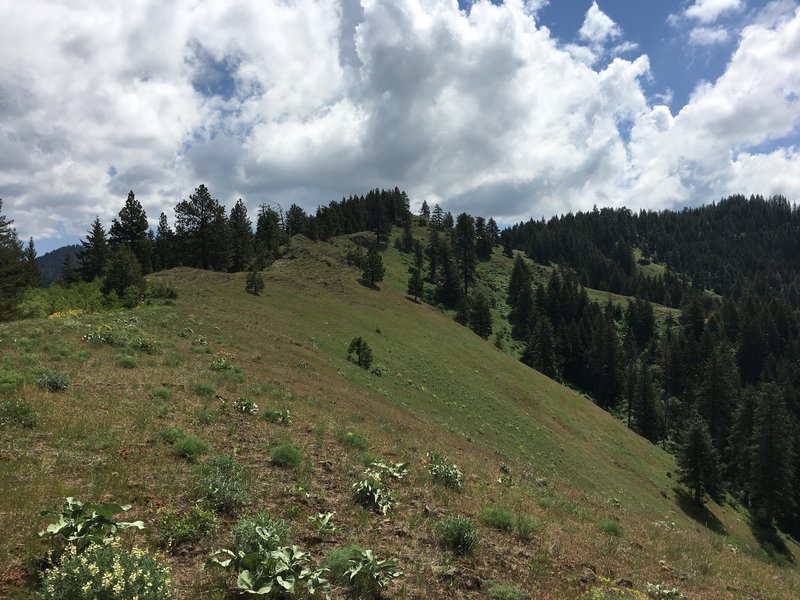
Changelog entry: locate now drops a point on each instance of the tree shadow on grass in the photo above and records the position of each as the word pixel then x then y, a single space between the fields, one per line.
pixel 368 285
pixel 771 543
pixel 699 513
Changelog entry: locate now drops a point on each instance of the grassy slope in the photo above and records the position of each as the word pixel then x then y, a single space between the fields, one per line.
pixel 443 388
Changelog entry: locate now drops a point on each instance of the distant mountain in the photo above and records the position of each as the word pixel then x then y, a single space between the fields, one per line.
pixel 50 264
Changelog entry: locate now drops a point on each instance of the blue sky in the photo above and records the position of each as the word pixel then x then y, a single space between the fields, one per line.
pixel 514 109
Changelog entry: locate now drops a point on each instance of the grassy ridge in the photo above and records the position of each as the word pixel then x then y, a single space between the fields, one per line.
pixel 604 499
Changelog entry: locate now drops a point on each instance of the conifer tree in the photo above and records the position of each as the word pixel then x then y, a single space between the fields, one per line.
pixel 241 237
pixel 94 252
pixel 269 235
pixel 164 246
pixel 772 459
pixel 123 272
pixel 131 229
pixel 433 255
pixel 202 231
pixel 480 315
pixel 416 286
pixel 493 232
pixel 698 461
pixel 373 269
pixel 541 352
pixel 33 275
pixel 12 272
pixel 465 249
pixel 716 398
pixel 437 217
pixel 424 213
pixel 254 281
pixel 69 271
pixel 519 280
pixel 449 289
pixel 483 239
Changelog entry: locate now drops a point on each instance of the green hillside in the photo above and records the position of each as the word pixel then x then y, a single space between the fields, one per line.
pixel 606 514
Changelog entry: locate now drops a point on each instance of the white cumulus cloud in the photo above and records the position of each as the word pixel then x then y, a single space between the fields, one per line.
pixel 708 36
pixel 708 11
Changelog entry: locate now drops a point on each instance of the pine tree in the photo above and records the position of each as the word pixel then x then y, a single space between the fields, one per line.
pixel 33 276
pixel 123 272
pixel 296 220
pixel 519 280
pixel 698 461
pixel 269 235
pixel 424 213
pixel 449 289
pixel 12 271
pixel 406 240
pixel 772 459
pixel 465 249
pixel 241 238
pixel 483 239
pixel 717 396
pixel 373 269
pixel 164 246
pixel 433 255
pixel 254 281
pixel 416 287
pixel 94 252
pixel 202 231
pixel 541 352
pixel 437 217
pixel 69 272
pixel 480 315
pixel 131 230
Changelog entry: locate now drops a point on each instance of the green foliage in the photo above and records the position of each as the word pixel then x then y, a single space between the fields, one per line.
pixel 10 381
pixel 497 517
pixel 286 455
pixel 254 282
pixel 126 361
pixel 368 576
pixel 17 413
pixel 337 562
pixel 361 351
pixel 245 406
pixel 698 461
pixel 387 470
pixel 459 534
pixel 525 525
pixel 371 492
pixel 124 274
pixel 222 365
pixel 172 434
pixel 177 529
pixel 350 439
pixel 374 270
pixel 280 417
pixel 202 232
pixel 105 571
pixel 222 483
pixel 161 291
pixel 448 475
pixel 660 591
pixel 189 447
pixel 282 573
pixel 52 381
pixel 203 390
pixel 259 533
pixel 79 524
pixel 499 590
pixel 41 302
pixel 161 393
pixel 322 523
pixel 610 527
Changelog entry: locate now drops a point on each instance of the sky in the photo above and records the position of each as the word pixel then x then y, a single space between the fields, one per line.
pixel 512 109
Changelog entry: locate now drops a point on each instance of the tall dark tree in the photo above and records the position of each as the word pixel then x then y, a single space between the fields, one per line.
pixel 164 246
pixel 416 286
pixel 541 352
pixel 296 220
pixel 717 396
pixel 241 229
pixel 94 253
pixel 448 289
pixel 437 217
pixel 465 249
pixel 480 315
pixel 69 272
pixel 772 458
pixel 202 231
pixel 12 272
pixel 373 269
pixel 434 252
pixel 131 230
pixel 269 235
pixel 519 280
pixel 123 272
pixel 424 213
pixel 483 239
pixel 33 275
pixel 698 461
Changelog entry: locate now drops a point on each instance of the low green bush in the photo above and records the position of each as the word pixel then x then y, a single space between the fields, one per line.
pixel 260 532
pixel 126 361
pixel 610 527
pixel 286 455
pixel 497 517
pixel 499 590
pixel 222 483
pixel 458 533
pixel 177 529
pixel 189 447
pixel 52 381
pixel 350 439
pixel 17 413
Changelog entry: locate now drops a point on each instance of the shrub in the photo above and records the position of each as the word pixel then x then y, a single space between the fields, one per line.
pixel 223 365
pixel 260 532
pixel 338 562
pixel 525 525
pixel 498 590
pixel 286 454
pixel 458 533
pixel 222 482
pixel 281 417
pixel 189 447
pixel 203 390
pixel 126 361
pixel 387 470
pixel 449 475
pixel 610 527
pixel 181 529
pixel 367 575
pixel 107 571
pixel 353 440
pixel 53 381
pixel 172 434
pixel 660 591
pixel 17 413
pixel 161 393
pixel 323 524
pixel 497 517
pixel 281 573
pixel 246 406
pixel 360 353
pixel 162 291
pixel 372 493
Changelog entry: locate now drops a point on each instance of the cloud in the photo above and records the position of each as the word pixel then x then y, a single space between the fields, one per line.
pixel 304 101
pixel 598 27
pixel 708 11
pixel 708 36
